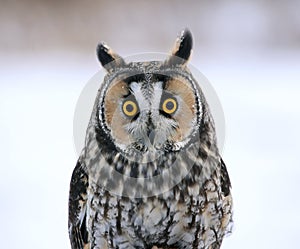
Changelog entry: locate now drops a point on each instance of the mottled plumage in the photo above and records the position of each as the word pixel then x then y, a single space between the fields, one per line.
pixel 150 175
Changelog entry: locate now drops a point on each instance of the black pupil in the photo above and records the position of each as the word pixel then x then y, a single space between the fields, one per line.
pixel 129 107
pixel 170 105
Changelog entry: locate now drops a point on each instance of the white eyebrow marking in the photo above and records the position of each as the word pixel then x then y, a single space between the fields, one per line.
pixel 138 94
pixel 156 95
pixel 142 100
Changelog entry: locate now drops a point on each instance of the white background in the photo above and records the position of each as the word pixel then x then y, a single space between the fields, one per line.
pixel 250 53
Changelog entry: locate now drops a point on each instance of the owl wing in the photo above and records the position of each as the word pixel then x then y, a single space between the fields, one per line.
pixel 225 180
pixel 227 205
pixel 77 207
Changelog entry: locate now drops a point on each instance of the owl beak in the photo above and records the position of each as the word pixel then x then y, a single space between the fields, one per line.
pixel 151 135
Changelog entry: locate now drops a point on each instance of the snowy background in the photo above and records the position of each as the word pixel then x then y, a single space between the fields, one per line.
pixel 249 51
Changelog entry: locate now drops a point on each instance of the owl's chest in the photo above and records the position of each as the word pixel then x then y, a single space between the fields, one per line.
pixel 138 223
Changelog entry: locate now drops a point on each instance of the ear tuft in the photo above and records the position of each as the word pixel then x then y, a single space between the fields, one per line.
pixel 182 49
pixel 108 58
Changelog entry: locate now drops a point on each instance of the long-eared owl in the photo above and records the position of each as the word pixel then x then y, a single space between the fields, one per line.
pixel 150 174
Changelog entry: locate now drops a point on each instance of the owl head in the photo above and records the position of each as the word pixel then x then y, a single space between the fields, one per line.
pixel 150 107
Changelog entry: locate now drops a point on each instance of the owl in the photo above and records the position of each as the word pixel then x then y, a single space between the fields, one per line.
pixel 150 174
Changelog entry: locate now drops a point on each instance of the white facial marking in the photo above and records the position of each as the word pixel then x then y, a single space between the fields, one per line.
pixel 156 96
pixel 138 94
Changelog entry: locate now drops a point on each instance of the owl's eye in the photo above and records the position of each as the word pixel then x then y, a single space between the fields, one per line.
pixel 169 105
pixel 130 108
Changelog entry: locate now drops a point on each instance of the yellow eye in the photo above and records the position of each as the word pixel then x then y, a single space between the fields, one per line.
pixel 130 108
pixel 169 105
